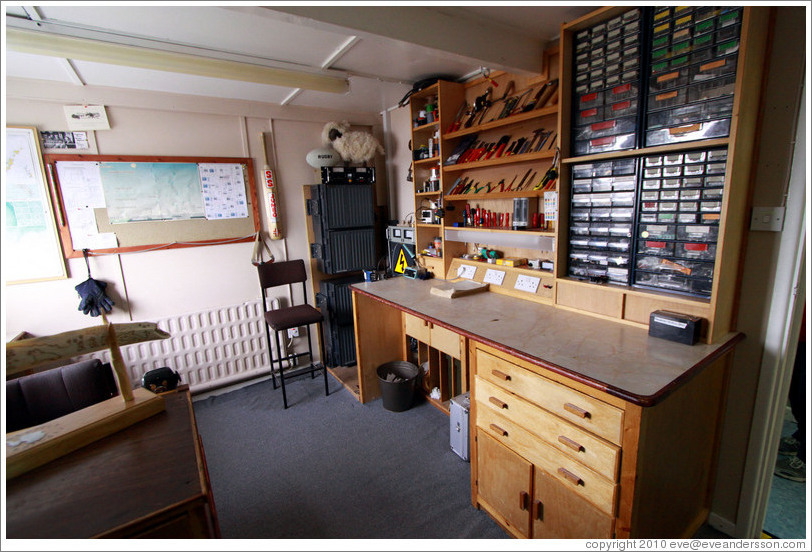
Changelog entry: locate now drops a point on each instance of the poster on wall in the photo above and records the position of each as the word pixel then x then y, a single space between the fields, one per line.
pixel 86 117
pixel 59 140
pixel 31 248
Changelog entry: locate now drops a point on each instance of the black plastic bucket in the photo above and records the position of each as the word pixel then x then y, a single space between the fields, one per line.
pixel 397 380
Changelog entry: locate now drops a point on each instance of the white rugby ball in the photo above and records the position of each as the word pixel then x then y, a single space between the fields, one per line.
pixel 323 157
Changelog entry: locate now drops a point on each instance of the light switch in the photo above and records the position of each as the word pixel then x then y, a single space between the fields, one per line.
pixel 767 219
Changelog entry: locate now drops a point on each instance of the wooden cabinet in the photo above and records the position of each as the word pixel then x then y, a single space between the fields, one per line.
pixel 443 352
pixel 691 80
pixel 557 459
pixel 505 482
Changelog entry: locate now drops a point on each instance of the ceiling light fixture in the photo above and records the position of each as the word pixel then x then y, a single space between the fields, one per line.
pixel 33 42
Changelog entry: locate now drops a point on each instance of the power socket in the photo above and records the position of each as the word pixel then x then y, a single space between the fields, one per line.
pixel 293 332
pixel 527 283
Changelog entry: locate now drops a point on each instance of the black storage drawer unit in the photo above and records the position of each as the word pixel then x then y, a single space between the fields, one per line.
pixel 343 219
pixel 335 300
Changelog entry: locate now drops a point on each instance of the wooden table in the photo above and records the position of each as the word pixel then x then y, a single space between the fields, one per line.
pixel 147 481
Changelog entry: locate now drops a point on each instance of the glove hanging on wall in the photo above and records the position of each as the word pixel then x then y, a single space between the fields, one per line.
pixel 94 299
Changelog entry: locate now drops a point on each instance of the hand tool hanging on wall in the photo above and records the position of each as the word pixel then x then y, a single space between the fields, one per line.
pixel 551 176
pixel 271 196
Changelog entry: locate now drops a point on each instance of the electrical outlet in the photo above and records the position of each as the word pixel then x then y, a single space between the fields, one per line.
pixel 293 332
pixel 527 283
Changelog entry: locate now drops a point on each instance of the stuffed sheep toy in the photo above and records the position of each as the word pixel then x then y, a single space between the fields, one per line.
pixel 352 145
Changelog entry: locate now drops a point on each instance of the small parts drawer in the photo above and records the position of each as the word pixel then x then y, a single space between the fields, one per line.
pixel 584 411
pixel 574 475
pixel 567 438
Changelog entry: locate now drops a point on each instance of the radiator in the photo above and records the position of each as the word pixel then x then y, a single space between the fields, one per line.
pixel 208 349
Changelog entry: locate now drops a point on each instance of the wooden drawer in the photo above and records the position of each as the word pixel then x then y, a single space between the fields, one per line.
pixel 417 328
pixel 438 337
pixel 594 452
pixel 576 477
pixel 584 411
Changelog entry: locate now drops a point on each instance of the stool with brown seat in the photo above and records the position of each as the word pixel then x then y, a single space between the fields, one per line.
pixel 274 274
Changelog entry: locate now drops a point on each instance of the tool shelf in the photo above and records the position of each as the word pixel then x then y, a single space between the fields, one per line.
pixel 502 230
pixel 508 160
pixel 450 97
pixel 510 120
pixel 493 195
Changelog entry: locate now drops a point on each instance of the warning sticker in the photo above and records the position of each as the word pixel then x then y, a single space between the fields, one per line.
pixel 400 266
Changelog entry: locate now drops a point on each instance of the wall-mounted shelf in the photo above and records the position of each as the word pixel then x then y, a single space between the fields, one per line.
pixel 493 195
pixel 510 120
pixel 429 161
pixel 428 126
pixel 524 239
pixel 506 160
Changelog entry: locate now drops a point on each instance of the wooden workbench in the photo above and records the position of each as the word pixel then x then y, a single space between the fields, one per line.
pixel 613 357
pixel 580 427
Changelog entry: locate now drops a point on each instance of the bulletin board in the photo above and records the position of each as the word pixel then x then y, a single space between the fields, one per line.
pixel 119 204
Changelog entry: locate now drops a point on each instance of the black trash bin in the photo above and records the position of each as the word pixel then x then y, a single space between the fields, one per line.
pixel 397 380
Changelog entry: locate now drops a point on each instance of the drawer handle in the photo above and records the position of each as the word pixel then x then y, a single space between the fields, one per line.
pixel 499 430
pixel 570 443
pixel 571 477
pixel 538 510
pixel 498 403
pixel 524 500
pixel 580 412
pixel 501 375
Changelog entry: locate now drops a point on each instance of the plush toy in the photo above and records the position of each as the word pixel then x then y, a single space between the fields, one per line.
pixel 352 145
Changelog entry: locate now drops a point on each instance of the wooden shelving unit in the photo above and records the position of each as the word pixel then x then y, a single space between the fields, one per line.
pixel 632 305
pixel 450 97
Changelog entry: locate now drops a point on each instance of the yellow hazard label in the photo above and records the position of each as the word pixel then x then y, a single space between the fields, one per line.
pixel 400 266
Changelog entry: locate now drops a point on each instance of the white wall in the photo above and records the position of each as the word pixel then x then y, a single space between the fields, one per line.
pixel 151 285
pixel 399 160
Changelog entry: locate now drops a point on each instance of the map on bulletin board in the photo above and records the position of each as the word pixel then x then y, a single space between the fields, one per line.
pixel 119 204
pixel 31 249
pixel 136 192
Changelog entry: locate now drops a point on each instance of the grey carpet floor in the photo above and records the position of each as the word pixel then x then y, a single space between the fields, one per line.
pixel 333 468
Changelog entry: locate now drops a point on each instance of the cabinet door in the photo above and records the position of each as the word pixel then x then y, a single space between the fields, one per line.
pixel 559 513
pixel 504 480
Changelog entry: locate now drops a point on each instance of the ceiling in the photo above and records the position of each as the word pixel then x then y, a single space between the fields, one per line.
pixel 379 51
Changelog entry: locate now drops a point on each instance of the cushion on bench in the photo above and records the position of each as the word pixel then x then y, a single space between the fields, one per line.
pixel 39 398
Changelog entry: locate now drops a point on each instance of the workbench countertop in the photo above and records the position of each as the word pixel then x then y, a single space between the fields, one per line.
pixel 618 358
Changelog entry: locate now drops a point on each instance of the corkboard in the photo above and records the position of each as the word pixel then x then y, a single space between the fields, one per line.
pixel 145 235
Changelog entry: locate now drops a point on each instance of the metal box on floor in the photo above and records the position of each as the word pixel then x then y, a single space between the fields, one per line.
pixel 458 415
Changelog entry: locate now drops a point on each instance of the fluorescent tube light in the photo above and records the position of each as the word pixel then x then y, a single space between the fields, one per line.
pixel 33 42
pixel 529 240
